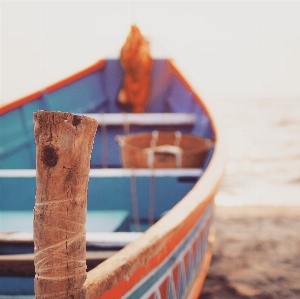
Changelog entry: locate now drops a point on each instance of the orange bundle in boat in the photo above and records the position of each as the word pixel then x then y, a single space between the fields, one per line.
pixel 137 63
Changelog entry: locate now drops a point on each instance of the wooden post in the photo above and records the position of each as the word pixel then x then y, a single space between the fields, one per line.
pixel 63 149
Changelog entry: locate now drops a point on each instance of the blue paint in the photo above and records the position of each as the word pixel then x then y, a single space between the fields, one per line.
pixel 96 92
pixel 119 189
pixel 12 248
pixel 77 97
pixel 17 193
pixel 16 285
pixel 182 281
pixel 96 221
pixel 171 260
pixel 171 291
pixel 105 193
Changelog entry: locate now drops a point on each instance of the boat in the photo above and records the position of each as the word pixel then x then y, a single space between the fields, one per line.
pixel 149 227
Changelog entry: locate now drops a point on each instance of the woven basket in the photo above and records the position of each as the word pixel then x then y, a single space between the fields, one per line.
pixel 163 150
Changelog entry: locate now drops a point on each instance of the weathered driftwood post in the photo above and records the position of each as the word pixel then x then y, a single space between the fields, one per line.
pixel 64 143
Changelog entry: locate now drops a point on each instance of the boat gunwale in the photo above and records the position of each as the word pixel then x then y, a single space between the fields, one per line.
pixel 37 94
pixel 188 86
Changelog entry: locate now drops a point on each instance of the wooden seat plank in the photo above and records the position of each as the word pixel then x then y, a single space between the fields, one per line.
pixel 23 264
pixel 114 172
pixel 145 119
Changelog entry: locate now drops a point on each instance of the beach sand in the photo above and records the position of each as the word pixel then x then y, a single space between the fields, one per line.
pixel 256 253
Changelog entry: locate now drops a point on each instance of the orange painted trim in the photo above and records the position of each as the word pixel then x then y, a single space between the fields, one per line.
pixel 188 86
pixel 14 105
pixel 97 66
pixel 166 248
pixel 27 99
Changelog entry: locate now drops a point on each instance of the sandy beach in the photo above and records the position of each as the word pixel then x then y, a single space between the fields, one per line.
pixel 255 253
pixel 257 216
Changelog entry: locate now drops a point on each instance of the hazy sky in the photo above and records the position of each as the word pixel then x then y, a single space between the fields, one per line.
pixel 226 48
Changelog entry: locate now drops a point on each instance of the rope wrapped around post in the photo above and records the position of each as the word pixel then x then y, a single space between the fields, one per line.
pixel 63 150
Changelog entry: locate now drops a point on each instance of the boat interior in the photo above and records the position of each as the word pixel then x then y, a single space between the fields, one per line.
pixel 122 202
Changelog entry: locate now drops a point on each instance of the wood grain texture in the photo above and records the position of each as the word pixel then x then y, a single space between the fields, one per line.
pixel 22 265
pixel 64 144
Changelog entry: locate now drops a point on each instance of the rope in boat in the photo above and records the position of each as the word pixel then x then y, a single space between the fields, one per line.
pixel 152 177
pixel 65 253
pixel 134 200
pixel 178 154
pixel 126 125
pixel 104 142
pixel 151 198
pixel 150 157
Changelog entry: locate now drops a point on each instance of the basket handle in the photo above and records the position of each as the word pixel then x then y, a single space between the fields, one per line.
pixel 178 136
pixel 154 138
pixel 168 149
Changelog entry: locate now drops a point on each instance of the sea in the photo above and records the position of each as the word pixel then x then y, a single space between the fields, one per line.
pixel 263 151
